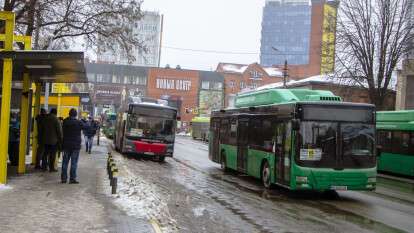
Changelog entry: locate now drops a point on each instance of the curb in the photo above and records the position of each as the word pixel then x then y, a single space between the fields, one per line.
pixel 155 225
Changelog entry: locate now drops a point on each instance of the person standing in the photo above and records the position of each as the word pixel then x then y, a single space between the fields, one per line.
pixel 72 139
pixel 51 137
pixel 40 144
pixel 89 132
pixel 14 139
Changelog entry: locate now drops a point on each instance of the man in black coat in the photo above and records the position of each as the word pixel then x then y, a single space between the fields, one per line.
pixel 72 140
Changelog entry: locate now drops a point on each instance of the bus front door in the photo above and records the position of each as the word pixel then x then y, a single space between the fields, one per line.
pixel 242 144
pixel 214 152
pixel 282 159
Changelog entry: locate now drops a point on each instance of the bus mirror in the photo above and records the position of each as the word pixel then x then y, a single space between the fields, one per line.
pixel 295 124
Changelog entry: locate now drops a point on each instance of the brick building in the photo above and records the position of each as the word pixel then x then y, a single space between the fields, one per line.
pixel 179 87
pixel 238 77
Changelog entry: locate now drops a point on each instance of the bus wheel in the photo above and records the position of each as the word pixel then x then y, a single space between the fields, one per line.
pixel 161 159
pixel 223 164
pixel 266 175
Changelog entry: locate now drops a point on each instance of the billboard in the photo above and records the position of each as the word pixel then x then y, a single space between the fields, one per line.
pixel 73 88
pixel 210 100
pixel 113 94
pixel 328 38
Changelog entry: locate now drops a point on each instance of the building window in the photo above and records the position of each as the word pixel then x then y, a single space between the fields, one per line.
pixel 135 80
pixel 91 77
pixel 242 85
pixel 103 78
pixel 205 85
pixel 231 84
pixel 218 86
pixel 116 79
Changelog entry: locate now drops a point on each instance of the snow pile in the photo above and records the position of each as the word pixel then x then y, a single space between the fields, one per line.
pixel 4 187
pixel 141 199
pixel 272 71
pixel 234 68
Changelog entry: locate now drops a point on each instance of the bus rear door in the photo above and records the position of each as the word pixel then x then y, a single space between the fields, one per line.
pixel 242 144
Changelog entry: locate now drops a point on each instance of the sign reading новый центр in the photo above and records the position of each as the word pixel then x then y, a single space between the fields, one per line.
pixel 173 84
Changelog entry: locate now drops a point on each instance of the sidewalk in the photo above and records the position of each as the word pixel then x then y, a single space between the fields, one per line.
pixel 38 202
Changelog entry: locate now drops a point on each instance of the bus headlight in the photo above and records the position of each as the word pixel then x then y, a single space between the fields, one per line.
pixel 372 179
pixel 301 179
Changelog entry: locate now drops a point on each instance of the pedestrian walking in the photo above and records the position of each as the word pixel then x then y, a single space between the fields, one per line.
pixel 51 136
pixel 40 119
pixel 72 139
pixel 89 131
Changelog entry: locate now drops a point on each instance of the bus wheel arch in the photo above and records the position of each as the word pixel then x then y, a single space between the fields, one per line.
pixel 223 162
pixel 265 174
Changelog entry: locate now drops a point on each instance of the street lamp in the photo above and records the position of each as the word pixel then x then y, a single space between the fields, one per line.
pixel 285 68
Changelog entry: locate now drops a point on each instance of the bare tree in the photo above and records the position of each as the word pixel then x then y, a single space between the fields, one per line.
pixel 372 38
pixel 100 24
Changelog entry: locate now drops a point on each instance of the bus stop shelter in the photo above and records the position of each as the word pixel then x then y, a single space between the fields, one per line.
pixel 29 67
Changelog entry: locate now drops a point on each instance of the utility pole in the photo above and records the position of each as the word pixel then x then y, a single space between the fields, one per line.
pixel 285 74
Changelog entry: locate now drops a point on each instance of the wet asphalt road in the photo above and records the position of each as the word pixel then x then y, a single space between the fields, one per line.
pixel 201 198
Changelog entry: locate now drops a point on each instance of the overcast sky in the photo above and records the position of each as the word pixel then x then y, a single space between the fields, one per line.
pixel 220 25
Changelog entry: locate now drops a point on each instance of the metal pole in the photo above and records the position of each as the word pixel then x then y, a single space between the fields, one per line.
pixel 5 117
pixel 46 100
pixel 36 129
pixel 285 74
pixel 6 94
pixel 24 118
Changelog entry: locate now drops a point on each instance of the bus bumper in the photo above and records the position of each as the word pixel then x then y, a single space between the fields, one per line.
pixel 148 148
pixel 323 179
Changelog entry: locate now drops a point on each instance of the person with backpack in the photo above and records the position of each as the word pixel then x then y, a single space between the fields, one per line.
pixel 51 137
pixel 89 132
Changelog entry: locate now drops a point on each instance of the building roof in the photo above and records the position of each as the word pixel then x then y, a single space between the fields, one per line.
pixel 126 70
pixel 211 76
pixel 241 68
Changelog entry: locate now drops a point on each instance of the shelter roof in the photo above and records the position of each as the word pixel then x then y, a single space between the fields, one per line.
pixel 47 66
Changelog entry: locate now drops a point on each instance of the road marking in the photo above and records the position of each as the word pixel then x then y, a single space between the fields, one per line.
pixel 155 225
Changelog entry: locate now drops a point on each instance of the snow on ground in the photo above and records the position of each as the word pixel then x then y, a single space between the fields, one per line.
pixel 141 199
pixel 4 187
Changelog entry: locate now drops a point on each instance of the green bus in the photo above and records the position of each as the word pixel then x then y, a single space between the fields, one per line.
pixel 297 138
pixel 108 125
pixel 395 130
pixel 200 127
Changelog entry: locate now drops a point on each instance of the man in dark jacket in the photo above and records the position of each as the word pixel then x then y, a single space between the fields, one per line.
pixel 14 138
pixel 89 132
pixel 72 140
pixel 40 145
pixel 51 137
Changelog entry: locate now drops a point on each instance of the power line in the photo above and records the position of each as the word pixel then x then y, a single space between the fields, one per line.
pixel 231 52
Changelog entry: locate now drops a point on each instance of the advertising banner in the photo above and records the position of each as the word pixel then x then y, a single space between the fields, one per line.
pixel 210 100
pixel 113 94
pixel 328 38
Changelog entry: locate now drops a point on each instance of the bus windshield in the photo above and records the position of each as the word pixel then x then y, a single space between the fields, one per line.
pixel 336 145
pixel 156 124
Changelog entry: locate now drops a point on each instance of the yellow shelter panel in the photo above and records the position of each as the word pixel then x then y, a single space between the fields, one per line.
pixel 64 100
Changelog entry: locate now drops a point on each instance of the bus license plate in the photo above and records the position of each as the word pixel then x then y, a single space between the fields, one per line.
pixel 339 187
pixel 149 153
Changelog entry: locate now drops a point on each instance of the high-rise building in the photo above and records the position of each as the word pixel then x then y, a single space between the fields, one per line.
pixel 149 31
pixel 301 32
pixel 286 28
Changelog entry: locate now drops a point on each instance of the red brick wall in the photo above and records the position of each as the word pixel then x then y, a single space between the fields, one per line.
pixel 180 89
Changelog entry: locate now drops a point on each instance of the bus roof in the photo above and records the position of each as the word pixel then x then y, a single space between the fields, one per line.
pixel 155 105
pixel 395 120
pixel 281 96
pixel 396 116
pixel 201 119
